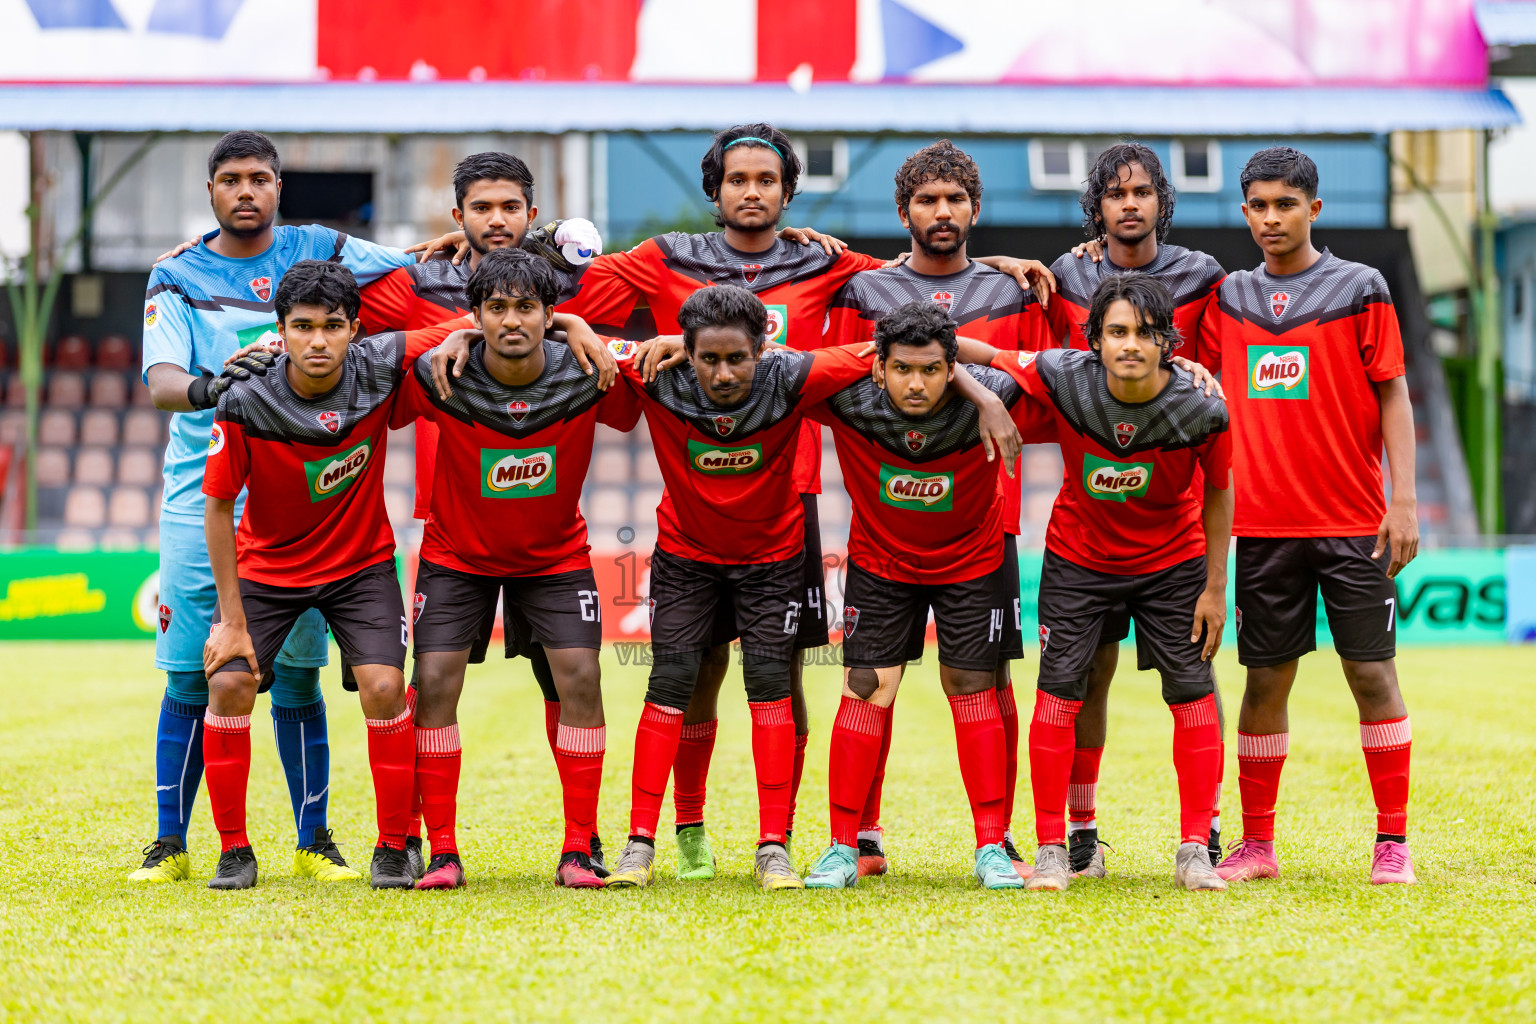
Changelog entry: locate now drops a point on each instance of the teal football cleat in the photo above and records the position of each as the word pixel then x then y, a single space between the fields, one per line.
pixel 994 870
pixel 836 868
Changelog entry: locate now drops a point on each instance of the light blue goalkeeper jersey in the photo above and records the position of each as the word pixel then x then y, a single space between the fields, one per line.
pixel 201 308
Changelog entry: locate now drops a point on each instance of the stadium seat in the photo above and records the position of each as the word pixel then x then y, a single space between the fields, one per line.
pixel 143 426
pixel 109 390
pixel 56 426
pixel 607 508
pixel 643 505
pixel 129 507
pixel 94 466
pixel 13 426
pixel 398 505
pixel 99 426
pixel 53 465
pixel 66 389
pixel 15 391
pixel 85 507
pixel 118 539
pixel 75 540
pixel 399 465
pixel 610 465
pixel 648 469
pixel 142 399
pixel 114 352
pixel 139 466
pixel 72 352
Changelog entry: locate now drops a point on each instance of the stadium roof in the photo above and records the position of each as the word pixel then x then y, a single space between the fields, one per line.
pixel 1506 23
pixel 555 107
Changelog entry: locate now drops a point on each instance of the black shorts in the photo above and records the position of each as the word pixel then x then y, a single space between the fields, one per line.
pixel 813 616
pixel 765 600
pixel 1117 625
pixel 1013 618
pixel 884 620
pixel 365 611
pixel 556 610
pixel 1277 584
pixel 1074 601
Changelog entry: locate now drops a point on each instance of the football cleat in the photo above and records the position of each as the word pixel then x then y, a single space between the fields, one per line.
pixel 413 856
pixel 596 857
pixel 165 860
pixel 322 860
pixel 237 869
pixel 390 869
pixel 1192 869
pixel 636 867
pixel 1213 846
pixel 1392 864
pixel 1081 845
pixel 445 872
pixel 1052 869
pixel 872 858
pixel 695 860
pixel 575 872
pixel 1248 860
pixel 836 868
pixel 1021 866
pixel 994 869
pixel 772 870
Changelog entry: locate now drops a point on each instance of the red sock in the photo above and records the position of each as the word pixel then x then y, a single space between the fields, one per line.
pixel 690 775
pixel 579 755
pixel 410 702
pixel 227 766
pixel 551 722
pixel 656 741
pixel 438 757
pixel 1051 744
pixel 1260 758
pixel 1196 759
pixel 392 758
pixel 983 766
pixel 869 818
pixel 858 737
pixel 773 754
pixel 1221 773
pixel 801 739
pixel 1388 747
pixel 1010 712
pixel 1083 786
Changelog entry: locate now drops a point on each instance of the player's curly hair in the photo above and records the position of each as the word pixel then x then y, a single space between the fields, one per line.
pixel 491 167
pixel 1281 163
pixel 942 161
pixel 751 136
pixel 916 324
pixel 238 145
pixel 1106 173
pixel 513 273
pixel 1147 295
pixel 725 305
pixel 318 283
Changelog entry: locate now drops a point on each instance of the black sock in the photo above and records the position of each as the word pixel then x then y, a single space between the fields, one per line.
pixel 647 840
pixel 1382 837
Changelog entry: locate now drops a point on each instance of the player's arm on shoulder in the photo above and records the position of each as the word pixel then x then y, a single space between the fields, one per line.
pixel 1204 379
pixel 810 236
pixel 1032 275
pixel 1211 608
pixel 387 302
pixel 978 353
pixel 662 352
pixel 999 434
pixel 592 353
pixel 367 260
pixel 1399 528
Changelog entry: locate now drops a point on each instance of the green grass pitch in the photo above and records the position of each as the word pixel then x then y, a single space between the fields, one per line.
pixel 77 942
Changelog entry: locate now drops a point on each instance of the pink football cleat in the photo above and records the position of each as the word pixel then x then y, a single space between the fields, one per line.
pixel 445 872
pixel 1251 859
pixel 575 872
pixel 1392 864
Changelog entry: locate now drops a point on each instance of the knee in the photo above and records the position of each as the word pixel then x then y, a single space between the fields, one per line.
pixel 717 659
pixel 1371 680
pixel 187 688
pixel 380 688
pixel 672 680
pixel 295 687
pixel 232 688
pixel 766 679
pixel 960 682
pixel 863 682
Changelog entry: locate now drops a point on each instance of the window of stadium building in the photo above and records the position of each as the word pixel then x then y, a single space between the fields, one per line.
pixel 826 163
pixel 1062 164
pixel 1196 165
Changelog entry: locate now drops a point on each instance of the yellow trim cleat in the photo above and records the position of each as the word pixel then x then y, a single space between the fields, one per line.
pixel 322 861
pixel 636 868
pixel 165 860
pixel 772 869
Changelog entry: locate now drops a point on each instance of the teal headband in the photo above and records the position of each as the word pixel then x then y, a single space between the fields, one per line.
pixel 752 138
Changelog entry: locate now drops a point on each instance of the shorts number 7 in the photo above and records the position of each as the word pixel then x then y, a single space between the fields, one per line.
pixel 1391 604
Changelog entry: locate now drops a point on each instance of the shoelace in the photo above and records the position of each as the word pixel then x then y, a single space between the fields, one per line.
pixel 155 847
pixel 1392 858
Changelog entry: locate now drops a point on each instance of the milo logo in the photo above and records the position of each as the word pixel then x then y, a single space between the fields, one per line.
pixel 517 473
pixel 1277 372
pixel 717 460
pixel 778 325
pixel 1115 481
pixel 329 477
pixel 924 492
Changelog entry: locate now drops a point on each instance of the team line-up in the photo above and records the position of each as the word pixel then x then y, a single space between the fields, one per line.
pixel 738 346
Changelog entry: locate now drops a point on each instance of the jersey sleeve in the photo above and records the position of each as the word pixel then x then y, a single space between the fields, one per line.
pixel 851 263
pixel 1381 340
pixel 1021 366
pixel 229 456
pixel 1208 331
pixel 615 283
pixel 167 326
pixel 846 323
pixel 411 401
pixel 427 338
pixel 1058 315
pixel 619 407
pixel 833 369
pixel 367 260
pixel 387 302
pixel 1216 460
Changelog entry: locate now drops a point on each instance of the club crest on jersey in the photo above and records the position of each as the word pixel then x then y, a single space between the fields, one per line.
pixel 165 617
pixel 518 410
pixel 261 287
pixel 623 349
pixel 517 473
pixel 750 271
pixel 216 439
pixel 1025 358
pixel 724 425
pixel 1124 432
pixel 1045 637
pixel 329 477
pixel 915 440
pixel 943 299
pixel 151 314
pixel 1278 303
pixel 329 420
pixel 417 604
pixel 850 620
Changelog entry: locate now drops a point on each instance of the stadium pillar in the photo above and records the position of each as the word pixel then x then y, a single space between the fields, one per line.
pixel 1490 342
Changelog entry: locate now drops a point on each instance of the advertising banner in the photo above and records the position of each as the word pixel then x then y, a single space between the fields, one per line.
pixel 98 595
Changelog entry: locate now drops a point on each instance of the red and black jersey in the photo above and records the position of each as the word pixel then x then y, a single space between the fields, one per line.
pixel 926 503
pixel 511 462
pixel 988 305
pixel 731 496
pixel 796 282
pixel 1191 278
pixel 1132 496
pixel 1303 353
pixel 419 296
pixel 315 509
